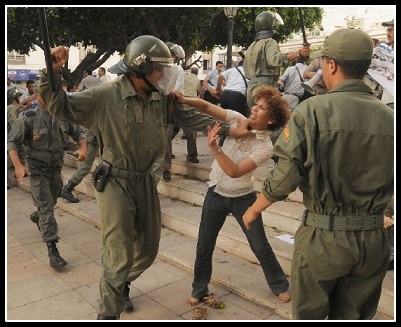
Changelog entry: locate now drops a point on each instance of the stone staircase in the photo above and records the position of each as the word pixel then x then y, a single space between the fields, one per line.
pixel 234 264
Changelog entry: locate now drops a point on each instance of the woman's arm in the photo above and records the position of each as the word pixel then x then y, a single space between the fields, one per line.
pixel 232 169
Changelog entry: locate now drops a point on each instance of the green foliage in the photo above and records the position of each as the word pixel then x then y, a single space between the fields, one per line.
pixel 110 29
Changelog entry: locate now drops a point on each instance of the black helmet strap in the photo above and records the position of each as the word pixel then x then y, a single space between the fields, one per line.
pixel 142 76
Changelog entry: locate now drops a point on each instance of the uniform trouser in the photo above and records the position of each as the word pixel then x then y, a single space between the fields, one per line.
pixel 338 274
pixel 84 167
pixel 214 212
pixel 235 101
pixel 192 149
pixel 131 226
pixel 45 187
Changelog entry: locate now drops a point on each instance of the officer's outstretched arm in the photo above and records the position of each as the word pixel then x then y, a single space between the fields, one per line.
pixel 203 106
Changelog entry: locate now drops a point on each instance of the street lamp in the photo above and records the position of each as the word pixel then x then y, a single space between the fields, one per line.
pixel 230 13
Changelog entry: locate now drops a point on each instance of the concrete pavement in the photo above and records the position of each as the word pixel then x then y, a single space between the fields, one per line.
pixel 35 291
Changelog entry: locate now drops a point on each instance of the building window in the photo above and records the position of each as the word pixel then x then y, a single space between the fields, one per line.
pixel 15 58
pixel 205 64
pixel 357 23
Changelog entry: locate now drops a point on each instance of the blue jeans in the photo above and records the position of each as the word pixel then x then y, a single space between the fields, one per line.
pixel 214 213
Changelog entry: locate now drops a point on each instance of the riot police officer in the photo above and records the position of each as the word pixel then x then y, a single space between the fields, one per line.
pixel 128 116
pixel 45 139
pixel 333 149
pixel 263 57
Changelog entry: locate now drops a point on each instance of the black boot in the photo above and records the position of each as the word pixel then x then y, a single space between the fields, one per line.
pixel 67 194
pixel 100 317
pixel 35 218
pixel 56 261
pixel 128 307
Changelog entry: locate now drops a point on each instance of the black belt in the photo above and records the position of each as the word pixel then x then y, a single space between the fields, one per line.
pixel 128 174
pixel 232 91
pixel 346 223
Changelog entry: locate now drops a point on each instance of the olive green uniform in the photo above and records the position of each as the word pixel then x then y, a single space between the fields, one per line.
pixel 262 66
pixel 333 149
pixel 45 139
pixel 12 116
pixel 131 132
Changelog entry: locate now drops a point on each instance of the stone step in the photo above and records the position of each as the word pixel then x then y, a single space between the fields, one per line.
pixel 183 216
pixel 283 216
pixel 188 184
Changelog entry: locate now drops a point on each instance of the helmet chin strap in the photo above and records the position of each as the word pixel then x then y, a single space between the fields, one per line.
pixel 152 88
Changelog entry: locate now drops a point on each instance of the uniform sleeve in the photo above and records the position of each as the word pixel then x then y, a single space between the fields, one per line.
pixel 76 132
pixel 17 134
pixel 274 57
pixel 78 108
pixel 188 117
pixel 12 114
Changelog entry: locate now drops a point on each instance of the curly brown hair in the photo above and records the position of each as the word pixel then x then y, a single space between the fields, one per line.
pixel 279 110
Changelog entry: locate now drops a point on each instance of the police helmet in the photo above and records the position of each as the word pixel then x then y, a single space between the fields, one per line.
pixel 176 49
pixel 267 20
pixel 16 94
pixel 141 55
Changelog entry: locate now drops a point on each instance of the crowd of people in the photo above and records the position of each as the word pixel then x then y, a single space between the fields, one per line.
pixel 321 145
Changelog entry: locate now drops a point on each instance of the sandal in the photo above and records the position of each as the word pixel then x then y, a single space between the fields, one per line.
pixel 212 301
pixel 199 314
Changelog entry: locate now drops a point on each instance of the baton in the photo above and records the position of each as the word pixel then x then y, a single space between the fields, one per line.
pixel 301 19
pixel 46 47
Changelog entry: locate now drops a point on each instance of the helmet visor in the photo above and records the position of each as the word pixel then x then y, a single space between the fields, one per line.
pixel 169 74
pixel 119 68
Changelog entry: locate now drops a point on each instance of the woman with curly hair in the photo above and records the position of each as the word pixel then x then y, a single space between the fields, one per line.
pixel 231 188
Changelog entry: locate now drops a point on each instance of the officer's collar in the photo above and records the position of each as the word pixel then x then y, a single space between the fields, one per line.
pixel 264 35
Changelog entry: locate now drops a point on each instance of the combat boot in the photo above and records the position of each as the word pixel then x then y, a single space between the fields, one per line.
pixel 128 307
pixel 56 261
pixel 67 194
pixel 35 218
pixel 100 317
